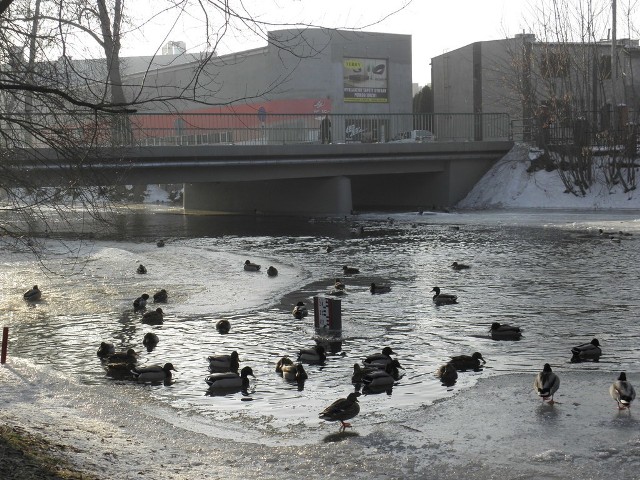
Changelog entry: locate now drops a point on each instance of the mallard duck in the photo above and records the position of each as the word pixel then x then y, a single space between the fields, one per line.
pixel 342 409
pixel 227 363
pixel 106 349
pixel 380 359
pixel 33 294
pixel 130 356
pixel 230 380
pixel 350 270
pixel 622 392
pixel 379 288
pixel 381 377
pixel 467 362
pixel 546 384
pixel 283 362
pixel 443 298
pixel 160 243
pixel 251 267
pixel 155 317
pixel 153 373
pixel 312 355
pixel 503 331
pixel 338 285
pixel 141 269
pixel 223 326
pixel 294 372
pixel 119 370
pixel 586 351
pixel 300 310
pixel 272 271
pixel 447 373
pixel 150 340
pixel 140 303
pixel 161 296
pixel 459 266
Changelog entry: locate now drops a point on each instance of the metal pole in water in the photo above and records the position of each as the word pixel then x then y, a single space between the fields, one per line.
pixel 5 343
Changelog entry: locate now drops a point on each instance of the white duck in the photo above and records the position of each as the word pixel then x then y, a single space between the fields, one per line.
pixel 546 384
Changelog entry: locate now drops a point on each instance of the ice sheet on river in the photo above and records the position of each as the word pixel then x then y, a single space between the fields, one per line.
pixel 495 429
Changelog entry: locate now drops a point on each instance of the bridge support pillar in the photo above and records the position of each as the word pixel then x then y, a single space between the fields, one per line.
pixel 306 196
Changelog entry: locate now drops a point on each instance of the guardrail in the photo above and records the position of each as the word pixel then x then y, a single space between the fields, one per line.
pixel 279 129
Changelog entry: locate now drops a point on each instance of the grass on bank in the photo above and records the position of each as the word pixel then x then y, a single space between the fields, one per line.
pixel 25 456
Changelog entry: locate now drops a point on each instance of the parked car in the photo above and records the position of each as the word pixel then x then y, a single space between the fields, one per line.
pixel 414 136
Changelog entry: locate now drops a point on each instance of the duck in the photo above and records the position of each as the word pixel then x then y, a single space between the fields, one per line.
pixel 106 349
pixel 381 377
pixel 459 266
pixel 150 340
pixel 160 243
pixel 153 373
pixel 443 298
pixel 272 271
pixel 161 296
pixel 380 359
pixel 251 267
pixel 379 288
pixel 342 409
pixel 300 310
pixel 283 362
pixel 447 373
pixel 546 384
pixel 140 303
pixel 312 355
pixel 328 249
pixel 294 372
pixel 504 331
pixel 226 363
pixel 230 380
pixel 223 326
pixel 622 392
pixel 338 285
pixel 130 356
pixel 155 317
pixel 119 370
pixel 586 351
pixel 359 372
pixel 33 294
pixel 467 362
pixel 347 270
pixel 141 269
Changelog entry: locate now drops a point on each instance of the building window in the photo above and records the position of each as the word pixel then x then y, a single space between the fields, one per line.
pixel 554 64
pixel 605 67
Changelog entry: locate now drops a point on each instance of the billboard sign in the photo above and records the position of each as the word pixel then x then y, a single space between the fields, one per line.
pixel 365 80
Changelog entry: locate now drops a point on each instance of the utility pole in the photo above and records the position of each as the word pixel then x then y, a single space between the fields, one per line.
pixel 614 66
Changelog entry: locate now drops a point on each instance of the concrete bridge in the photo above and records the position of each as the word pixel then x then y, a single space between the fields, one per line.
pixel 291 179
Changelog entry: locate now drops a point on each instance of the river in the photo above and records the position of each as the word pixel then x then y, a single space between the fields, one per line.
pixel 549 272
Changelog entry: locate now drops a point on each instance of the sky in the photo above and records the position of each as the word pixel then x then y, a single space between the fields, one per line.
pixel 436 27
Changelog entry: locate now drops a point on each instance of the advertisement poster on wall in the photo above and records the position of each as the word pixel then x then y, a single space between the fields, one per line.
pixel 365 80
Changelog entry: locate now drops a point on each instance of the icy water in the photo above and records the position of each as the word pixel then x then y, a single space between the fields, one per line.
pixel 549 272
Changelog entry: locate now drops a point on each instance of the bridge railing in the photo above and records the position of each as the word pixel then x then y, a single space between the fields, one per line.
pixel 279 129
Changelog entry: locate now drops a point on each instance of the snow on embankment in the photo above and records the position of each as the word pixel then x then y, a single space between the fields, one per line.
pixel 509 185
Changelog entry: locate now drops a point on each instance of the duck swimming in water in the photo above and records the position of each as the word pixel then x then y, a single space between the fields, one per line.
pixel 546 384
pixel 153 373
pixel 106 349
pixel 150 340
pixel 377 289
pixel 586 351
pixel 380 359
pixel 312 355
pixel 448 374
pixel 622 392
pixel 251 267
pixel 283 362
pixel 33 294
pixel 155 317
pixel 459 266
pixel 300 310
pixel 347 270
pixel 467 362
pixel 294 372
pixel 223 326
pixel 272 271
pixel 230 380
pixel 443 298
pixel 140 303
pixel 503 331
pixel 342 409
pixel 130 356
pixel 226 363
pixel 161 296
